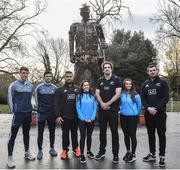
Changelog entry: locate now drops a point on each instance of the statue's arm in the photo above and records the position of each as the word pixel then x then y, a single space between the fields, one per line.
pixel 72 33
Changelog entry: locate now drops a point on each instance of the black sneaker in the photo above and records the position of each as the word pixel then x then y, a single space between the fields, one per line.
pixel 131 158
pixel 115 160
pixel 90 155
pixel 149 157
pixel 99 156
pixel 162 161
pixel 82 159
pixel 126 156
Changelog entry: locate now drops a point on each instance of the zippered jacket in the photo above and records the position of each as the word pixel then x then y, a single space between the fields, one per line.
pixel 19 97
pixel 44 97
pixel 155 94
pixel 86 106
pixel 65 101
pixel 128 107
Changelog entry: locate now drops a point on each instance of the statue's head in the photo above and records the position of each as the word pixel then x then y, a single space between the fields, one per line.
pixel 85 12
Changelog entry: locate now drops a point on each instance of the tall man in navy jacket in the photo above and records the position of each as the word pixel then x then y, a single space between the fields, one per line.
pixel 155 95
pixel 19 100
pixel 44 96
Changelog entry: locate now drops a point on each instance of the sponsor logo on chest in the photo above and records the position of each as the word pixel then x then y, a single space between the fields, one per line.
pixel 152 92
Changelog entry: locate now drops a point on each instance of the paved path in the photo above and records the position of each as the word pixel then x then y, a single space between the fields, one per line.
pixel 172 151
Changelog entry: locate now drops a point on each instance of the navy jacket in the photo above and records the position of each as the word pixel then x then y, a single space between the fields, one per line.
pixel 44 96
pixel 19 97
pixel 155 94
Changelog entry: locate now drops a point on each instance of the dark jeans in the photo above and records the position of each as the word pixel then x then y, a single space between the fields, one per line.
pixel 86 129
pixel 69 125
pixel 106 117
pixel 158 122
pixel 18 120
pixel 51 126
pixel 129 127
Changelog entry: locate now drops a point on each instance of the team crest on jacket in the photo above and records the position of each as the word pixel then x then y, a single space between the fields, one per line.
pixel 112 83
pixel 158 84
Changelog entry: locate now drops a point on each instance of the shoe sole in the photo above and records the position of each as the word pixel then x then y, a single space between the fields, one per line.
pixel 115 162
pixel 149 160
pixel 29 159
pixel 90 157
pixel 162 165
pixel 131 160
pixel 11 167
pixel 97 159
pixel 83 162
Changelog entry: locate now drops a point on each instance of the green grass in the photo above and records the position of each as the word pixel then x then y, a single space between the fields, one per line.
pixel 175 108
pixel 4 108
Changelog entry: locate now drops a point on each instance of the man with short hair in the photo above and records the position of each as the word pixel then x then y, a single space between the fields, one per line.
pixel 65 109
pixel 108 93
pixel 155 96
pixel 19 100
pixel 44 96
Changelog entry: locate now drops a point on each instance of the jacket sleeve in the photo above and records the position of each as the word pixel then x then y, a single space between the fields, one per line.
pixel 58 102
pixel 78 108
pixel 10 97
pixel 165 95
pixel 138 103
pixel 143 97
pixel 94 109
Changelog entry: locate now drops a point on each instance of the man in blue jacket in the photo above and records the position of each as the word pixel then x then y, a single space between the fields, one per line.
pixel 155 96
pixel 19 100
pixel 44 96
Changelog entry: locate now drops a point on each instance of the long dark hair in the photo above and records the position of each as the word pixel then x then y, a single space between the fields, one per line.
pixel 91 94
pixel 132 91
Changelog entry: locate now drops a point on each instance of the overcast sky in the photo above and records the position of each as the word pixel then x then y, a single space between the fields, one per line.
pixel 60 14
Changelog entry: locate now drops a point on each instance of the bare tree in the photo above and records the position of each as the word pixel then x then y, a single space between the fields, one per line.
pixel 16 23
pixel 53 55
pixel 168 19
pixel 107 9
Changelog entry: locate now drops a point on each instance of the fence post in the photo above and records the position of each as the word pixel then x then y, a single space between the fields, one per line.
pixel 172 104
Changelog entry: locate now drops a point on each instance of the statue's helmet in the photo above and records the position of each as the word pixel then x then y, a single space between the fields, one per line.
pixel 85 8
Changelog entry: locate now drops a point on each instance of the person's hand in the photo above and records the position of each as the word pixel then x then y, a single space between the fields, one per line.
pixel 152 110
pixel 105 106
pixel 59 120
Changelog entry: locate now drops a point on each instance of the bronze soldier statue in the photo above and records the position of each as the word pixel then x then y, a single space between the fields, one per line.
pixel 87 44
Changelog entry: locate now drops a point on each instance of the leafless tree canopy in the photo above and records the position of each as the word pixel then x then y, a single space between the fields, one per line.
pixel 16 23
pixel 53 56
pixel 168 19
pixel 107 9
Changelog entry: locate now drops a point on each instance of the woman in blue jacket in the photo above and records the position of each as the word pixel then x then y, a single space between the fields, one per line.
pixel 86 106
pixel 130 107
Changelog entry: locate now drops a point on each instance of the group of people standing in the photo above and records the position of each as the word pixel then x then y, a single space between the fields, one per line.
pixel 73 106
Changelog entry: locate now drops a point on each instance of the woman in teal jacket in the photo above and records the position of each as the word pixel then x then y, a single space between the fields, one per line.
pixel 130 107
pixel 86 106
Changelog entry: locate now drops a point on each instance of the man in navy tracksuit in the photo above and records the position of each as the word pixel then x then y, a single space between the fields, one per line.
pixel 19 100
pixel 44 96
pixel 65 109
pixel 155 95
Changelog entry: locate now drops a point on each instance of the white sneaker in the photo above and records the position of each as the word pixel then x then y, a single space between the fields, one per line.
pixel 29 156
pixel 10 162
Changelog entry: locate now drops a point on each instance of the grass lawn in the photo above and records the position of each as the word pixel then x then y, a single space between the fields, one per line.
pixel 4 108
pixel 173 108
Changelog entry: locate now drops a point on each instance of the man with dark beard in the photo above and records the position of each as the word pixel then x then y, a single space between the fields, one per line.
pixel 65 109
